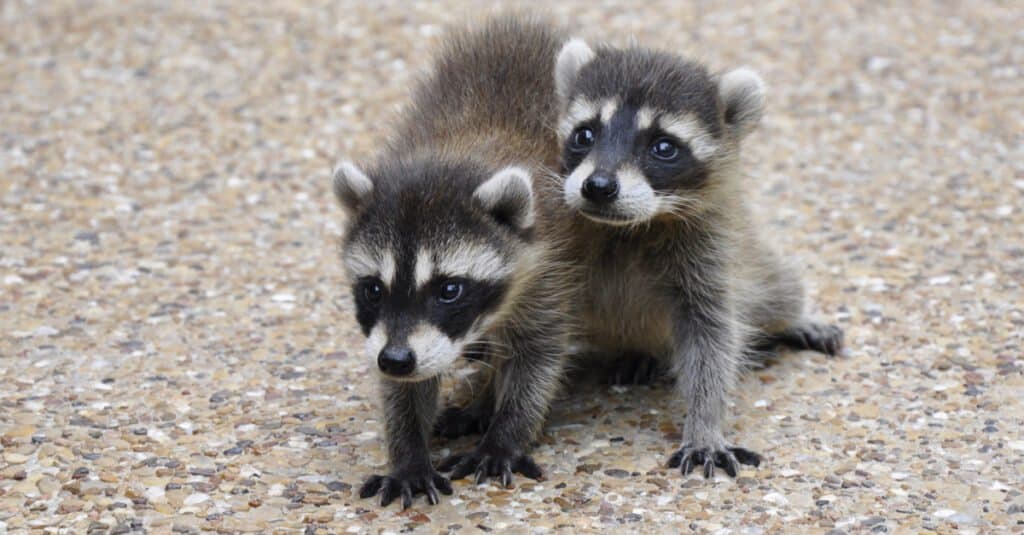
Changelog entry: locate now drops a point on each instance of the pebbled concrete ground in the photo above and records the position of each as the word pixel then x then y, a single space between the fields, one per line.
pixel 177 346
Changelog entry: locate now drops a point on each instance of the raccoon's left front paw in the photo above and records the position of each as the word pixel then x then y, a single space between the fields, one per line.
pixel 406 484
pixel 727 458
pixel 490 461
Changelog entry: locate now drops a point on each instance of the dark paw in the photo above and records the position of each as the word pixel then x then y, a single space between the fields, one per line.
pixel 820 337
pixel 406 484
pixel 634 369
pixel 490 462
pixel 728 459
pixel 456 422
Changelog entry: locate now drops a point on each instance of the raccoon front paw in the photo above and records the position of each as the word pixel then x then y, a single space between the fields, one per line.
pixel 634 369
pixel 406 483
pixel 456 422
pixel 727 458
pixel 488 462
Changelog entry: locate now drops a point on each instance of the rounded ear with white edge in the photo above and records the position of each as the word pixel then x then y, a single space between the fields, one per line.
pixel 574 55
pixel 351 186
pixel 742 92
pixel 508 197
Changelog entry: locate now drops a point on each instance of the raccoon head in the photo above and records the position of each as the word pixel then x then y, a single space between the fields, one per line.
pixel 646 134
pixel 431 248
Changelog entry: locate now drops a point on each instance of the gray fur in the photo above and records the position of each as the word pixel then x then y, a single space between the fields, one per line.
pixel 693 284
pixel 475 115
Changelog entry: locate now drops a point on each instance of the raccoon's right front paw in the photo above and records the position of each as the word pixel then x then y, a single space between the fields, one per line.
pixel 406 483
pixel 491 462
pixel 456 422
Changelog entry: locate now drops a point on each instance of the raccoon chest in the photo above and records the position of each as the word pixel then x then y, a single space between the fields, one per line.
pixel 623 311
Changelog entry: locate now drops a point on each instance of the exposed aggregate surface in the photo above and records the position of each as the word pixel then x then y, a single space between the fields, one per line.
pixel 177 345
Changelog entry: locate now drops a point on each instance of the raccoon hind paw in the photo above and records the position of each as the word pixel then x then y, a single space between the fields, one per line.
pixel 820 337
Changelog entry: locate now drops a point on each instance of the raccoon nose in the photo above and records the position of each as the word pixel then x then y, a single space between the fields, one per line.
pixel 397 361
pixel 600 188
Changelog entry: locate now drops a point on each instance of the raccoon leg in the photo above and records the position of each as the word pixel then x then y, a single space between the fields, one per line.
pixel 820 337
pixel 525 384
pixel 635 369
pixel 707 351
pixel 778 307
pixel 409 410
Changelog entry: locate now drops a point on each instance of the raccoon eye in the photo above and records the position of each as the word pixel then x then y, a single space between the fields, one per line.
pixel 450 292
pixel 663 149
pixel 582 138
pixel 372 292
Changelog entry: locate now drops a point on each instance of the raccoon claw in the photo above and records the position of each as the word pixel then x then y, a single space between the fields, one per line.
pixel 406 485
pixel 456 422
pixel 486 464
pixel 634 369
pixel 728 459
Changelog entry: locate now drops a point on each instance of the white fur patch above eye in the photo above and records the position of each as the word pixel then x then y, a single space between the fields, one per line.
pixel 742 92
pixel 581 110
pixel 388 268
pixel 574 55
pixel 644 118
pixel 688 129
pixel 424 270
pixel 351 186
pixel 473 261
pixel 435 352
pixel 361 261
pixel 608 110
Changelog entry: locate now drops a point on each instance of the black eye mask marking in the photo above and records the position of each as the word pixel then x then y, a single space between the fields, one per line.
pixel 668 163
pixel 581 141
pixel 368 293
pixel 455 317
pixel 450 304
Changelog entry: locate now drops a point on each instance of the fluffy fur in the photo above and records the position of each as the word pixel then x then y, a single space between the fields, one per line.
pixel 673 269
pixel 448 256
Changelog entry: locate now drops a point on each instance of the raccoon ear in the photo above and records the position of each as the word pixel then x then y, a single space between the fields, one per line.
pixel 508 196
pixel 742 92
pixel 351 186
pixel 574 55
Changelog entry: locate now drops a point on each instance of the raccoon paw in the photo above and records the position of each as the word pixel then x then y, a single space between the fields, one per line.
pixel 727 458
pixel 456 422
pixel 488 462
pixel 635 369
pixel 406 483
pixel 820 337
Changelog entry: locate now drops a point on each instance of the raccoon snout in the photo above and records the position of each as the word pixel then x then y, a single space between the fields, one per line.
pixel 600 188
pixel 396 361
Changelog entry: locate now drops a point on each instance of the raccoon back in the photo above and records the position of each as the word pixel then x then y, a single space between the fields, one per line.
pixel 490 95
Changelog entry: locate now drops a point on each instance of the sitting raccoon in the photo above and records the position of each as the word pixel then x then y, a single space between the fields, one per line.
pixel 447 256
pixel 674 275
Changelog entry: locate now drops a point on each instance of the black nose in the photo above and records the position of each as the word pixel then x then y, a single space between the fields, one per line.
pixel 600 188
pixel 396 361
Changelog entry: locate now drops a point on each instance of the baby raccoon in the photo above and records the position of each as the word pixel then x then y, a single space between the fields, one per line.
pixel 447 257
pixel 674 272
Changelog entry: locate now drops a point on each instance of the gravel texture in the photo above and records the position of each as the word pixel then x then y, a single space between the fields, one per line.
pixel 177 345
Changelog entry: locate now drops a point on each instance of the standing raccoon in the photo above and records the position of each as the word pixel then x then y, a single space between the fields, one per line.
pixel 447 256
pixel 675 276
